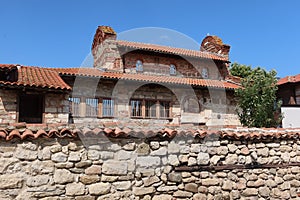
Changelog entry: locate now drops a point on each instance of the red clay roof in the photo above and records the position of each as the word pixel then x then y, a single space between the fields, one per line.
pixel 37 77
pixel 93 72
pixel 71 131
pixel 8 66
pixel 289 79
pixel 172 50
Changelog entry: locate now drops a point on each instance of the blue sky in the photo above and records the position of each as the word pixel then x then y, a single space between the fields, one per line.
pixel 59 33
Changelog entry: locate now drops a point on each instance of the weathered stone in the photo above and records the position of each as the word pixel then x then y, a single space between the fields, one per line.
pixel 222 150
pixel 46 191
pixel 84 197
pixel 210 182
pixel 129 146
pixel 263 152
pixel 264 191
pixel 215 159
pixel 74 156
pixel 203 158
pixel 182 194
pixel 37 180
pixel 62 176
pixel 227 185
pixel 150 180
pixel 105 178
pixel 173 160
pixel 25 154
pixel 99 188
pixel 55 148
pixel 232 148
pixel 143 149
pixel 231 159
pixel 83 164
pixel 162 197
pixel 173 147
pixel 195 148
pixel 7 162
pixel 159 152
pixel 124 155
pixel 191 187
pixel 167 188
pixel 192 161
pixel 93 170
pixel 147 161
pixel 175 177
pixel 88 179
pixel 59 157
pixel 113 167
pixel 141 191
pixel 122 185
pixel 64 165
pixel 105 155
pixel 154 145
pixel 199 197
pixel 250 192
pixel 11 181
pixel 73 189
pixel 245 151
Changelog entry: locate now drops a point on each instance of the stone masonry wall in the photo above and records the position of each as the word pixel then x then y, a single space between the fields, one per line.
pixel 184 66
pixel 8 106
pixel 106 168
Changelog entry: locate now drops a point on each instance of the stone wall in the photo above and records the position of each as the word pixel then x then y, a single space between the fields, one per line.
pixel 185 66
pixel 56 108
pixel 98 167
pixel 8 106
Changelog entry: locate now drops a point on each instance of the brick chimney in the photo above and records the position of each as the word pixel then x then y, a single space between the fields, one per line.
pixel 214 44
pixel 105 51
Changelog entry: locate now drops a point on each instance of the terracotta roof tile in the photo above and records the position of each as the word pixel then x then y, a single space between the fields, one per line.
pixel 38 77
pixel 71 131
pixel 93 72
pixel 8 66
pixel 289 79
pixel 171 50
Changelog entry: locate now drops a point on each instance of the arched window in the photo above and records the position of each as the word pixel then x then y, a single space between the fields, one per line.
pixel 172 69
pixel 204 73
pixel 139 66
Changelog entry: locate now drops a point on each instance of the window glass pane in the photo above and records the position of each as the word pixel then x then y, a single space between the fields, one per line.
pixel 136 108
pixel 164 109
pixel 139 66
pixel 108 107
pixel 91 107
pixel 74 105
pixel 172 70
pixel 150 109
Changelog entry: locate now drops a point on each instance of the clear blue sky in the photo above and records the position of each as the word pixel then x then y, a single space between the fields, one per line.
pixel 59 33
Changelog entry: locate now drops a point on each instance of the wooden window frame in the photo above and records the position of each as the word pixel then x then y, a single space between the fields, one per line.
pixel 144 109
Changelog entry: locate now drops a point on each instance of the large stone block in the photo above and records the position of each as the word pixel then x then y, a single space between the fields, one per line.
pixel 99 188
pixel 11 181
pixel 62 176
pixel 148 161
pixel 74 189
pixel 113 167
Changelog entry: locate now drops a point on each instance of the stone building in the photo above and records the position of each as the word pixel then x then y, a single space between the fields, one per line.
pixel 289 94
pixel 129 81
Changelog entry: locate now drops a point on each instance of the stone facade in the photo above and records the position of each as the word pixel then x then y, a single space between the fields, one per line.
pixel 56 107
pixel 8 106
pixel 115 168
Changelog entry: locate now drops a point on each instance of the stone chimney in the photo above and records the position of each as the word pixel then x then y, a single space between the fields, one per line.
pixel 214 44
pixel 105 51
